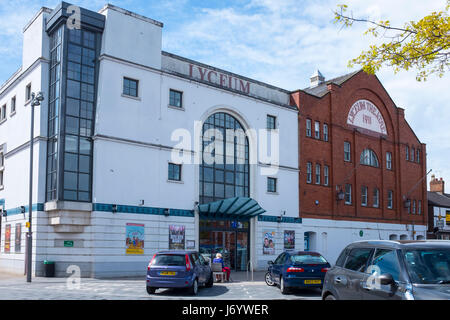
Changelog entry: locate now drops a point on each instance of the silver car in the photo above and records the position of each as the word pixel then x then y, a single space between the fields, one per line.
pixel 390 270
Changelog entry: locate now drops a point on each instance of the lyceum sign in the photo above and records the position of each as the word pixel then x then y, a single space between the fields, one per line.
pixel 221 79
pixel 364 114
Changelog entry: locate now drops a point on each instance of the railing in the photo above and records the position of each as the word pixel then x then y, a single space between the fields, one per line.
pixel 250 266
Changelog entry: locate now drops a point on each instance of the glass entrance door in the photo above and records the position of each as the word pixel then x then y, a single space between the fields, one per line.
pixel 232 244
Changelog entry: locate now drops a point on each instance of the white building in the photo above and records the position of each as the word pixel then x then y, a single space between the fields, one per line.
pixel 119 158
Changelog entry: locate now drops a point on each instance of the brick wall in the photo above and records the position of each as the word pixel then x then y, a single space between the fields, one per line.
pixel 403 179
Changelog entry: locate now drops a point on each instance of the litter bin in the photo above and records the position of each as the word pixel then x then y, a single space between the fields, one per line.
pixel 49 269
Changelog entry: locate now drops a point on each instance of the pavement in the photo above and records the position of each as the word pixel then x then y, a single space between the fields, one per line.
pixel 15 287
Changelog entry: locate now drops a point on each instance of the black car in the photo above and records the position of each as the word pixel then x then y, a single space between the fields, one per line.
pixel 397 270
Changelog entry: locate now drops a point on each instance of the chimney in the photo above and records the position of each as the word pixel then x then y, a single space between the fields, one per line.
pixel 316 79
pixel 436 185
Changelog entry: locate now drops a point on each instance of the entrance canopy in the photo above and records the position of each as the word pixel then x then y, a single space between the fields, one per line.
pixel 231 208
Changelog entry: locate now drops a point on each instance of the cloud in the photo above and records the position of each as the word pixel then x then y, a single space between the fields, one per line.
pixel 279 42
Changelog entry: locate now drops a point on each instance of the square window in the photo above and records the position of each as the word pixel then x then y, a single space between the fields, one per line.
pixel 271 185
pixel 130 87
pixel 174 172
pixel 175 98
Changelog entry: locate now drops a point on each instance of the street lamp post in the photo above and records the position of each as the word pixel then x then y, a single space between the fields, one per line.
pixel 35 101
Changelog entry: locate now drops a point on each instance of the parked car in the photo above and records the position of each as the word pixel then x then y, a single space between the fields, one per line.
pixel 297 269
pixel 394 270
pixel 178 269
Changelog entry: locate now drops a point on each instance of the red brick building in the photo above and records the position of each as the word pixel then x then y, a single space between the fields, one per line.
pixel 359 158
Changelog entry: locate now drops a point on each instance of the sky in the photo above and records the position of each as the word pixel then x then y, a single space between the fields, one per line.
pixel 280 42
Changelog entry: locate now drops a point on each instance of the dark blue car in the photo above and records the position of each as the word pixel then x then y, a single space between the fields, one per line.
pixel 297 269
pixel 178 269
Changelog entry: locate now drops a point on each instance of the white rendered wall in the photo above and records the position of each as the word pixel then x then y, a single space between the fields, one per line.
pixel 131 37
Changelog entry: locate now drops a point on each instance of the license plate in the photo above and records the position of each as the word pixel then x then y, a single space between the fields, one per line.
pixel 167 273
pixel 313 281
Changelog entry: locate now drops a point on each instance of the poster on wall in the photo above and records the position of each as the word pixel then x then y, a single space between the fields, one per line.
pixel 176 237
pixel 18 238
pixel 7 238
pixel 289 239
pixel 135 238
pixel 269 242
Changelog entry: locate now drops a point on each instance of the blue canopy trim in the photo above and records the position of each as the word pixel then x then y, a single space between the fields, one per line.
pixel 235 208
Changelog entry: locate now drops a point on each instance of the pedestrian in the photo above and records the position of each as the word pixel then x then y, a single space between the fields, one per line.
pixel 219 259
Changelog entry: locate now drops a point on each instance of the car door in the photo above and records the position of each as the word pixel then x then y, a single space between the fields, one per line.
pixel 198 268
pixel 277 266
pixel 384 261
pixel 206 268
pixel 350 278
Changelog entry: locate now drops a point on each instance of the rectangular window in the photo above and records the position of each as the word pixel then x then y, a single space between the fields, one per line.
pixel 414 207
pixel 364 196
pixel 412 154
pixel 176 98
pixel 326 175
pixel 388 160
pixel 317 130
pixel 376 198
pixel 309 172
pixel 13 105
pixel 407 152
pixel 28 93
pixel 130 87
pixel 418 156
pixel 348 194
pixel 2 163
pixel 325 132
pixel 271 185
pixel 174 172
pixel 419 207
pixel 3 113
pixel 317 173
pixel 347 156
pixel 308 127
pixel 271 122
pixel 390 199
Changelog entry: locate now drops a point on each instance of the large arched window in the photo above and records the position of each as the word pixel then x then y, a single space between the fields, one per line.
pixel 224 171
pixel 369 158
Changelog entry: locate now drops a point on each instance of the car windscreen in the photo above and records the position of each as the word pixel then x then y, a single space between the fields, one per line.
pixel 428 266
pixel 169 260
pixel 307 259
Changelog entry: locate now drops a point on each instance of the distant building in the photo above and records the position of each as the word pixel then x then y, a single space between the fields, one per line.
pixel 438 210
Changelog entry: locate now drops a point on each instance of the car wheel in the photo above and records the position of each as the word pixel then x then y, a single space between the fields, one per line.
pixel 210 282
pixel 269 280
pixel 283 288
pixel 151 290
pixel 330 297
pixel 193 290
